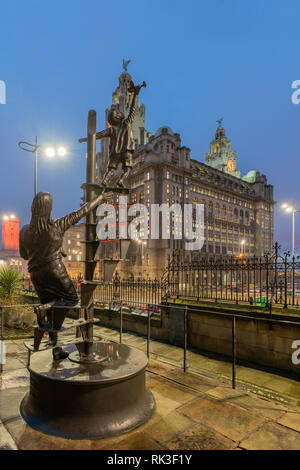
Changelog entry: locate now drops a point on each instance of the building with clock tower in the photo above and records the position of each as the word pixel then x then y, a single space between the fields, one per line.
pixel 220 155
pixel 238 210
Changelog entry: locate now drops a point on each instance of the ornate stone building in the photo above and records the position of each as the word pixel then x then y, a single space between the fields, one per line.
pixel 238 210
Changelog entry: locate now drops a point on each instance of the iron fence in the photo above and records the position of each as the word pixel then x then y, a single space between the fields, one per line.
pixel 132 294
pixel 273 278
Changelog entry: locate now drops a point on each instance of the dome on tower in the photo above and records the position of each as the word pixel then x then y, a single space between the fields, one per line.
pixel 220 132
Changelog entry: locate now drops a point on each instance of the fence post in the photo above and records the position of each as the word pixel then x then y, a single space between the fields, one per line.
pixel 233 352
pixel 148 332
pixel 121 323
pixel 185 339
pixel 285 280
pixel 293 280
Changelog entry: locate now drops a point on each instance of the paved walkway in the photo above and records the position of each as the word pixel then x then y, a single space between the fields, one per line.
pixel 268 384
pixel 193 411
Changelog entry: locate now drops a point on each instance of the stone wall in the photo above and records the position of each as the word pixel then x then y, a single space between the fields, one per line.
pixel 257 341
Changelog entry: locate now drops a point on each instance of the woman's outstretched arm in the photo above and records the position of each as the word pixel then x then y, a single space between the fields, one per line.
pixel 73 218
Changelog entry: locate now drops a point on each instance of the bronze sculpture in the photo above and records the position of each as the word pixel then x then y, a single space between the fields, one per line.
pixel 99 390
pixel 41 244
pixel 122 143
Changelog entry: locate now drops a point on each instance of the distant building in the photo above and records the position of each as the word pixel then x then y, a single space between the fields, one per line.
pixel 73 248
pixel 10 232
pixel 9 255
pixel 239 217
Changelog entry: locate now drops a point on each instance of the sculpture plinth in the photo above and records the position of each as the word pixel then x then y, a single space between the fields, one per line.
pixel 84 401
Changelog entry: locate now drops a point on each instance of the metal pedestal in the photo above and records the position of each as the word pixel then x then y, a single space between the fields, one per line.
pixel 86 401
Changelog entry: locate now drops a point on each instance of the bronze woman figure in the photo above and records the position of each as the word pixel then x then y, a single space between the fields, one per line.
pixel 41 244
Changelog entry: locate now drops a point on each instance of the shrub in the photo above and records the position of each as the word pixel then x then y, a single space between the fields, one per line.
pixel 10 285
pixel 10 288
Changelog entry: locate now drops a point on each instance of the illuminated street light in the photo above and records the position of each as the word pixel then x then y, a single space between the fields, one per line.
pixel 142 243
pixel 242 248
pixel 290 209
pixel 50 152
pixel 61 151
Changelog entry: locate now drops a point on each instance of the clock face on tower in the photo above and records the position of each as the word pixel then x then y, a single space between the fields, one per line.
pixel 230 164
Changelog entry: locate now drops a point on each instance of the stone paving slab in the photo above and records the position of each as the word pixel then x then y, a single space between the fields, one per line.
pixel 168 427
pixel 14 378
pixel 200 438
pixel 6 441
pixel 27 438
pixel 272 436
pixel 229 420
pixel 291 420
pixel 138 441
pixel 192 380
pixel 258 406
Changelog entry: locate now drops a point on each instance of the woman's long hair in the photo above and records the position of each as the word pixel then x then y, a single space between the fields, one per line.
pixel 41 213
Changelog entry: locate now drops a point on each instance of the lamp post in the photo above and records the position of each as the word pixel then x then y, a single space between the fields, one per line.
pixel 290 209
pixel 242 247
pixel 142 243
pixel 34 148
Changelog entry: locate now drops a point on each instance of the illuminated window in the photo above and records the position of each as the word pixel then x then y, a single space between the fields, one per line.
pixel 168 188
pixel 147 189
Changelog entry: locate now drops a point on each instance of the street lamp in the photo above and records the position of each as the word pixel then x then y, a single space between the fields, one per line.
pixel 142 243
pixel 50 152
pixel 290 209
pixel 243 246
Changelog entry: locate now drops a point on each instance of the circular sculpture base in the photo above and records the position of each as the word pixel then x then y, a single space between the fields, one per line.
pixel 87 401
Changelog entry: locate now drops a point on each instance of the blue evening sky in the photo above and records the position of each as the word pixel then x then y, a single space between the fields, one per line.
pixel 201 59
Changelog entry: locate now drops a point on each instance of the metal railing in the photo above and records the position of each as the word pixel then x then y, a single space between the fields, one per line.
pixel 133 294
pixel 185 312
pixel 272 278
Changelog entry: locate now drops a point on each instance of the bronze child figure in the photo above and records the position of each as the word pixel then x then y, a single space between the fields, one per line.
pixel 122 143
pixel 41 244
